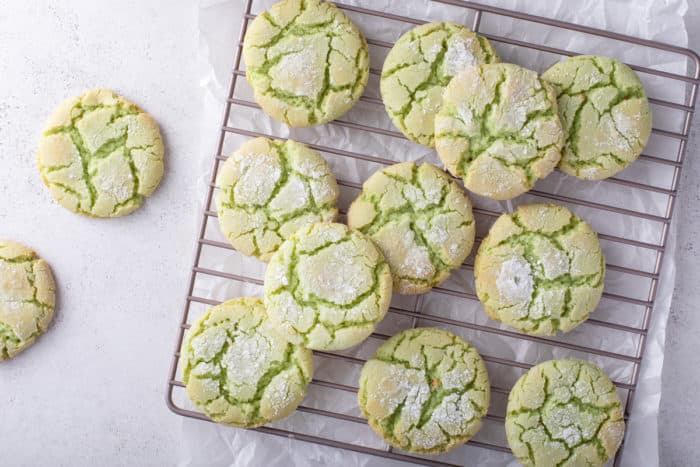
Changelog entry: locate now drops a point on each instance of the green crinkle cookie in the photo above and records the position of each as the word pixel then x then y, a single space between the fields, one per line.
pixel 564 413
pixel 419 67
pixel 306 61
pixel 540 270
pixel 327 287
pixel 27 298
pixel 498 129
pixel 101 155
pixel 420 219
pixel 268 189
pixel 605 114
pixel 239 370
pixel 425 391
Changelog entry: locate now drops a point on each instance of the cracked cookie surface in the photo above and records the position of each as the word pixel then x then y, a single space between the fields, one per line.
pixel 27 298
pixel 239 370
pixel 268 189
pixel 540 270
pixel 307 62
pixel 605 114
pixel 420 219
pixel 564 413
pixel 498 129
pixel 327 287
pixel 100 155
pixel 425 391
pixel 419 67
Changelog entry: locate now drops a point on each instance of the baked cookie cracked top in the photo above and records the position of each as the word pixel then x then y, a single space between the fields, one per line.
pixel 419 67
pixel 426 391
pixel 498 129
pixel 268 189
pixel 327 287
pixel 564 413
pixel 420 219
pixel 540 270
pixel 101 155
pixel 27 298
pixel 605 113
pixel 239 370
pixel 307 62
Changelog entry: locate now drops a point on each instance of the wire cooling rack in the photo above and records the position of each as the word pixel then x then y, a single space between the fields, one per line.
pixel 633 230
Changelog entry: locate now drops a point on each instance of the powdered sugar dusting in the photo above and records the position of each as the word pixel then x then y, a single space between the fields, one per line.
pixel 458 56
pixel 514 281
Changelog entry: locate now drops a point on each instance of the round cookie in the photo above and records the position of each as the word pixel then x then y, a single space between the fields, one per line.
pixel 239 370
pixel 564 412
pixel 101 155
pixel 605 114
pixel 306 61
pixel 27 298
pixel 327 287
pixel 418 68
pixel 420 219
pixel 498 129
pixel 425 391
pixel 540 270
pixel 268 189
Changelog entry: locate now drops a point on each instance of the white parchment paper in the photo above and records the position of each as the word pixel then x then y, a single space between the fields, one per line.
pixel 219 21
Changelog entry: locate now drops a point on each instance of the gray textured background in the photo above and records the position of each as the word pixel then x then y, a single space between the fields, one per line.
pixel 679 431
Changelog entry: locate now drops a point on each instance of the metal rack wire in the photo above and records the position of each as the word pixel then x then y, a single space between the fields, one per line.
pixel 647 278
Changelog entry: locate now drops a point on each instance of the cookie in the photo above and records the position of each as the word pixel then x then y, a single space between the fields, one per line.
pixel 540 270
pixel 418 68
pixel 420 219
pixel 100 155
pixel 327 287
pixel 425 391
pixel 605 114
pixel 27 298
pixel 268 189
pixel 306 62
pixel 239 370
pixel 564 412
pixel 498 129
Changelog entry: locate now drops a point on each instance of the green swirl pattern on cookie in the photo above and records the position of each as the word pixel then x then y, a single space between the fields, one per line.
pixel 420 219
pixel 540 270
pixel 498 129
pixel 564 413
pixel 425 391
pixel 268 189
pixel 27 298
pixel 101 155
pixel 605 114
pixel 327 287
pixel 419 67
pixel 306 61
pixel 239 370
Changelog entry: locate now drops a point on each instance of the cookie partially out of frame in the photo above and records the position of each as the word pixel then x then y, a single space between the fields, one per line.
pixel 421 220
pixel 239 370
pixel 268 189
pixel 101 155
pixel 498 129
pixel 419 67
pixel 564 412
pixel 540 270
pixel 605 114
pixel 306 61
pixel 27 298
pixel 426 391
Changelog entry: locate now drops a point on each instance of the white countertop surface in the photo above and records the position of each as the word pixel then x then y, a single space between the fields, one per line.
pixel 122 282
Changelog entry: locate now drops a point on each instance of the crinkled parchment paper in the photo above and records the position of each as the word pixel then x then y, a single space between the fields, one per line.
pixel 219 21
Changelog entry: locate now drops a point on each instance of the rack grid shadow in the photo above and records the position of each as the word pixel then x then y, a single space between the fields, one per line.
pixel 634 235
